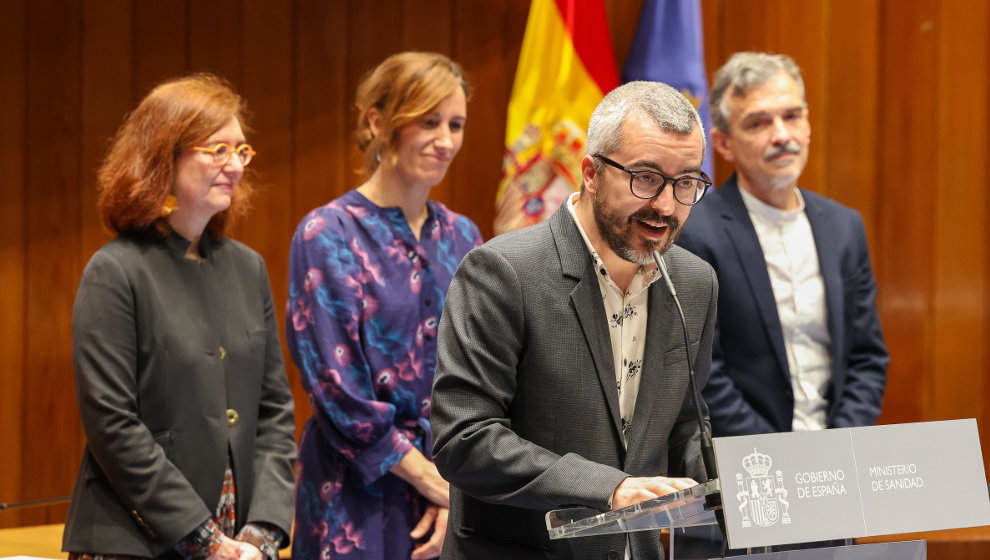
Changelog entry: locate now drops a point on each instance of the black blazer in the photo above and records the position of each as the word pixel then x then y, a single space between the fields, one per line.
pixel 525 407
pixel 177 365
pixel 749 390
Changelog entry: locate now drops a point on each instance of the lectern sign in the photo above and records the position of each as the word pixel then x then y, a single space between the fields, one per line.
pixel 852 482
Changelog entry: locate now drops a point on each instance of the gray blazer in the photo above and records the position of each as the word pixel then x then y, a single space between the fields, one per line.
pixel 525 408
pixel 177 365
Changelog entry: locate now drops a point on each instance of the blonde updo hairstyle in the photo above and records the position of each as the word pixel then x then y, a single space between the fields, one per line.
pixel 403 88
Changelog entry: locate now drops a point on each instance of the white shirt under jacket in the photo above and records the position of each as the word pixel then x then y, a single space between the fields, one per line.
pixel 799 290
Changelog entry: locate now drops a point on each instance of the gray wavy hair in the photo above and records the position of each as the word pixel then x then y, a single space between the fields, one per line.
pixel 743 72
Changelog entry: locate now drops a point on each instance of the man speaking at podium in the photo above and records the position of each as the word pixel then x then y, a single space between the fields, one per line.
pixel 563 375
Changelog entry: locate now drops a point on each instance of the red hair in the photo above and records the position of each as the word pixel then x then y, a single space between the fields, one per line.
pixel 138 173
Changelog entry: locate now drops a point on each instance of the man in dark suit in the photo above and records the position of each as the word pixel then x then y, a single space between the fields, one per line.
pixel 798 344
pixel 562 377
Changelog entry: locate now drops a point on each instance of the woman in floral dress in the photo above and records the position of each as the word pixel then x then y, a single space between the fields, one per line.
pixel 368 275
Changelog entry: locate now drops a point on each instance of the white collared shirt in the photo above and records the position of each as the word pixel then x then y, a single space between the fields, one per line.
pixel 798 287
pixel 627 314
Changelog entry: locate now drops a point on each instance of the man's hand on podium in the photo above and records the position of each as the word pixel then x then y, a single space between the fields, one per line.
pixel 639 489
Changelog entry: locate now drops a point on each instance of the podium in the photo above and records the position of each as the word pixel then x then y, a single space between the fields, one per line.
pixel 686 508
pixel 787 489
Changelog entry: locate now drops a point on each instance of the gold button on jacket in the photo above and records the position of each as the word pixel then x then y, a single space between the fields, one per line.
pixel 232 417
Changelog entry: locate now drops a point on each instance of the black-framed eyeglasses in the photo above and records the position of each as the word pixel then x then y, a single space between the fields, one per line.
pixel 647 184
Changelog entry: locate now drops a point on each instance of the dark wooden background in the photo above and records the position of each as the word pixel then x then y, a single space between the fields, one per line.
pixel 897 88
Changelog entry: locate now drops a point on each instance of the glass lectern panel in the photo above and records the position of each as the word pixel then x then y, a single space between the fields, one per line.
pixel 685 508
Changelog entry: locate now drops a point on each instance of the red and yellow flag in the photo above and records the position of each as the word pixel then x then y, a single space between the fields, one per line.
pixel 565 68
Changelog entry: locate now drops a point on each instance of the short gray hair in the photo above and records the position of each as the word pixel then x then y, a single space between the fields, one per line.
pixel 743 72
pixel 670 110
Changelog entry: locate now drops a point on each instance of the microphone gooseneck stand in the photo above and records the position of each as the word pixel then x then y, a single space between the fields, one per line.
pixel 712 501
pixel 33 503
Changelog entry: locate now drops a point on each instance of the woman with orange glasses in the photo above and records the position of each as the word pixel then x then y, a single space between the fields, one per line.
pixel 178 367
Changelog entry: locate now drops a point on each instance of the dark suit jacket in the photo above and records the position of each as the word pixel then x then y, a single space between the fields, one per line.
pixel 749 390
pixel 525 407
pixel 155 387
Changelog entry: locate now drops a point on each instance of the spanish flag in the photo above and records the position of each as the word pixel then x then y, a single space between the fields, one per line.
pixel 565 68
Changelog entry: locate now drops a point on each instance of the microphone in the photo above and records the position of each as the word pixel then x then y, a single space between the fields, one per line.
pixel 34 503
pixel 707 448
pixel 712 501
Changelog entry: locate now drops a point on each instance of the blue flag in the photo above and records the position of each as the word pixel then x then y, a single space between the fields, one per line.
pixel 669 48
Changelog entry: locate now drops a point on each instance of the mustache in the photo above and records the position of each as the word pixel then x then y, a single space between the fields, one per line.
pixel 649 215
pixel 791 147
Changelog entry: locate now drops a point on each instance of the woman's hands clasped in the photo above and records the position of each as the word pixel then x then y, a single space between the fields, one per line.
pixel 235 550
pixel 423 475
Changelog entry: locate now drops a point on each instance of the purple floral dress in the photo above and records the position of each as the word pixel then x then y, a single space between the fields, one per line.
pixel 365 299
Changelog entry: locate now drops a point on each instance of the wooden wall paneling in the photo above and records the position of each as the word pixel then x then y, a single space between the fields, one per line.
pixel 52 265
pixel 850 142
pixel 13 51
pixel 268 88
pixel 982 246
pixel 957 550
pixel 106 98
pixel 426 26
pixel 796 29
pixel 482 51
pixel 216 39
pixel 801 34
pixel 486 132
pixel 321 127
pixel 957 201
pixel 160 50
pixel 749 25
pixel 105 90
pixel 322 122
pixel 430 29
pixel 712 24
pixel 893 132
pixel 907 173
pixel 375 33
pixel 712 17
pixel 722 38
pixel 516 14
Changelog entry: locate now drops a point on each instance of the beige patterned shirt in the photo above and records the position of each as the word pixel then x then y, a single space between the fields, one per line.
pixel 626 313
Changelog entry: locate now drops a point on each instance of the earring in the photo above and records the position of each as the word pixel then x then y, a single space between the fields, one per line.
pixel 169 206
